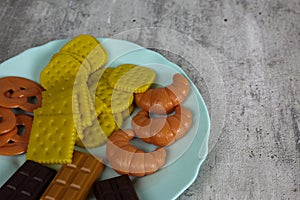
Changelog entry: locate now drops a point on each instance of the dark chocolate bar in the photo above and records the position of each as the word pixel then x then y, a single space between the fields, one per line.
pixel 74 181
pixel 28 182
pixel 117 188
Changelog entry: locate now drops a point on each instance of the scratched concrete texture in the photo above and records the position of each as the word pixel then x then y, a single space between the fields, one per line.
pixel 255 44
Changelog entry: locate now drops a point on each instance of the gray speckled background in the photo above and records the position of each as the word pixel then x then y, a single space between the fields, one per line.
pixel 255 45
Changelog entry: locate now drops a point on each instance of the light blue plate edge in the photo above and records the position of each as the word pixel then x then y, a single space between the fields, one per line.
pixel 199 154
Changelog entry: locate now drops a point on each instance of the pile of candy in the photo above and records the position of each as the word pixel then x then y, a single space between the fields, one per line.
pixel 82 103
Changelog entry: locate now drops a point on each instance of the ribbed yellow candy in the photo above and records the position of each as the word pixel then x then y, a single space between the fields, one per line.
pixel 60 73
pixel 92 136
pixel 131 78
pixel 87 47
pixel 117 100
pixel 52 139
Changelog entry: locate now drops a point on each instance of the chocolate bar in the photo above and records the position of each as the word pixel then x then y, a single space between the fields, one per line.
pixel 74 180
pixel 117 188
pixel 28 182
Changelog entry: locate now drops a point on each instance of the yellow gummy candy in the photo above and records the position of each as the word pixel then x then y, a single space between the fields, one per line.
pixel 84 62
pixel 126 113
pixel 100 106
pixel 59 107
pixel 131 78
pixel 103 81
pixel 52 96
pixel 118 120
pixel 84 104
pixel 92 136
pixel 107 123
pixel 88 48
pixel 52 139
pixel 97 134
pixel 116 99
pixel 60 72
pixel 93 80
pixel 77 117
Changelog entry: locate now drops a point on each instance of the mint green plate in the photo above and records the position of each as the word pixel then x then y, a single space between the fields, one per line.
pixel 184 157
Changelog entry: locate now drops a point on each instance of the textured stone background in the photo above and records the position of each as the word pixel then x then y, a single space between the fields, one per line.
pixel 255 152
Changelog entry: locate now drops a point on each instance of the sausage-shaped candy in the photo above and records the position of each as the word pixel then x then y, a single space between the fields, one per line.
pixel 163 100
pixel 128 159
pixel 162 131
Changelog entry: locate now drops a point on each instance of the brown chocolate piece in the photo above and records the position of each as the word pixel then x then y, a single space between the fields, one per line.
pixel 117 188
pixel 28 182
pixel 74 181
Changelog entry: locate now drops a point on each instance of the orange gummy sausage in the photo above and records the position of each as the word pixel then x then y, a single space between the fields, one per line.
pixel 163 100
pixel 128 159
pixel 162 131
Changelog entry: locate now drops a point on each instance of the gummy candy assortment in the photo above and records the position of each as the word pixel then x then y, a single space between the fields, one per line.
pixel 81 102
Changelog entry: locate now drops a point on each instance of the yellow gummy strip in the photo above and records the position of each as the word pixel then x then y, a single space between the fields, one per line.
pixel 51 140
pixel 89 48
pixel 131 78
pixel 60 72
pixel 92 136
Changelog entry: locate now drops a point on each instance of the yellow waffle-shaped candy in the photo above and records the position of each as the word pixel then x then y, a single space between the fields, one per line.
pixel 131 78
pixel 57 92
pixel 52 139
pixel 89 110
pixel 107 73
pixel 97 134
pixel 77 117
pixel 60 107
pixel 103 74
pixel 120 101
pixel 126 113
pixel 88 48
pixel 83 102
pixel 118 120
pixel 92 136
pixel 98 80
pixel 107 123
pixel 51 96
pixel 83 61
pixel 61 72
pixel 116 99
pixel 100 106
pixel 93 80
pixel 102 82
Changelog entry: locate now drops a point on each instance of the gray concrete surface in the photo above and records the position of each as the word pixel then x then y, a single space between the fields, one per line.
pixel 255 150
